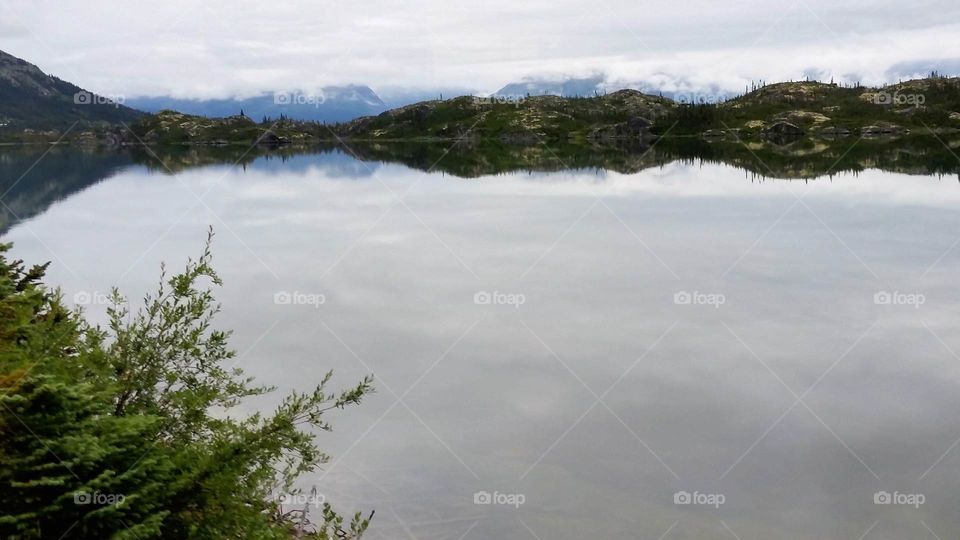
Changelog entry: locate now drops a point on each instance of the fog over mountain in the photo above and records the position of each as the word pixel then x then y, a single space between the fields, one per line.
pixel 330 104
pixel 677 88
pixel 239 49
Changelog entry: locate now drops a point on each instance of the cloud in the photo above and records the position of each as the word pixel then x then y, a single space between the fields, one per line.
pixel 224 48
pixel 922 67
pixel 10 30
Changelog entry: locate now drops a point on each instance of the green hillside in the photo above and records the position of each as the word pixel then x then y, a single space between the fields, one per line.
pixel 824 108
pixel 622 114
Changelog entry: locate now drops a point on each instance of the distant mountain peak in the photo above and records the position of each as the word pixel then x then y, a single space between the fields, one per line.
pixel 354 92
pixel 327 104
pixel 679 89
pixel 565 87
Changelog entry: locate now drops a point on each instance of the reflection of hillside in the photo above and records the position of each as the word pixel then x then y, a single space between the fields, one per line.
pixel 31 181
pixel 64 171
pixel 471 160
pixel 334 161
pixel 801 159
pixel 814 158
pixel 177 158
pixel 468 159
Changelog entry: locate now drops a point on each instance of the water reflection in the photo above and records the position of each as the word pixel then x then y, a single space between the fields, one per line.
pixel 35 177
pixel 599 397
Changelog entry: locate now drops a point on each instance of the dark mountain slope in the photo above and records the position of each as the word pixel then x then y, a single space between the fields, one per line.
pixel 31 99
pixel 29 184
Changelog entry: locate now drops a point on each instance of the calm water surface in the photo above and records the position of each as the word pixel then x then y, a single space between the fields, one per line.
pixel 682 329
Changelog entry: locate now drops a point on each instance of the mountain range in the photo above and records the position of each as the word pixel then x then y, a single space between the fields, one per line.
pixel 31 99
pixel 344 103
pixel 565 87
pixel 678 89
pixel 328 104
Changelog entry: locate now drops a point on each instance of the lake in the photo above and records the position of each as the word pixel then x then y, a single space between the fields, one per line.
pixel 568 349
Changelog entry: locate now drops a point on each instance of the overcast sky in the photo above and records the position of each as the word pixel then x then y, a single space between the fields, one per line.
pixel 223 48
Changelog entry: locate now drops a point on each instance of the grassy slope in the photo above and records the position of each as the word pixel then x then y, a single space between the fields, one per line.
pixel 530 119
pixel 814 106
pixel 171 127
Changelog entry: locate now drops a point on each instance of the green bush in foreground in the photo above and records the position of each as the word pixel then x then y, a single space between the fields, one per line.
pixel 112 433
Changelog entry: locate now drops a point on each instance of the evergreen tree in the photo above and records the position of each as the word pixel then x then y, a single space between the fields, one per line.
pixel 109 433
